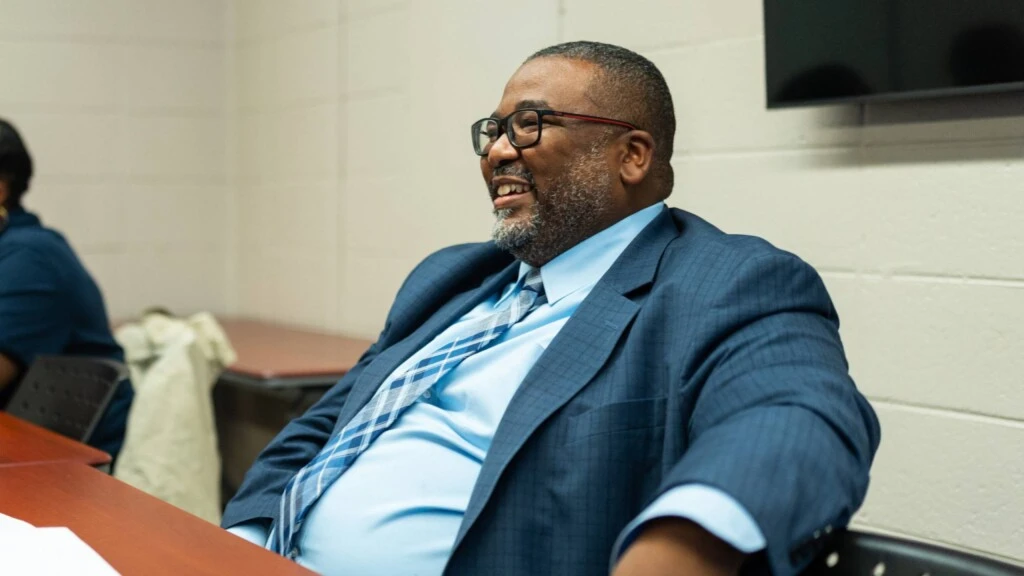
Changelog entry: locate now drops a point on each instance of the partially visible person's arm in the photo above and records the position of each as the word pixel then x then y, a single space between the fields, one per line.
pixel 34 311
pixel 778 426
pixel 8 371
pixel 715 512
pixel 677 547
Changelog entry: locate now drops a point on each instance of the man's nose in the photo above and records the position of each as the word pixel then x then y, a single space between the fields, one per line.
pixel 501 152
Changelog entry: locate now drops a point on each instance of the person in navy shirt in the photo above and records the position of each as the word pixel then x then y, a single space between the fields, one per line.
pixel 49 304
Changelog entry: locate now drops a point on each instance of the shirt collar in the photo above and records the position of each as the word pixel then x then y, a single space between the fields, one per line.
pixel 18 217
pixel 585 263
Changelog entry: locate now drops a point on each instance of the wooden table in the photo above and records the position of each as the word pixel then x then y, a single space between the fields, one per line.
pixel 22 442
pixel 134 532
pixel 272 356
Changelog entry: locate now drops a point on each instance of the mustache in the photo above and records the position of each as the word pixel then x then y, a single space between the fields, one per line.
pixel 513 172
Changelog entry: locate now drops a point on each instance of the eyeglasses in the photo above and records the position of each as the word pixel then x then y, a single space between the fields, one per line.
pixel 524 128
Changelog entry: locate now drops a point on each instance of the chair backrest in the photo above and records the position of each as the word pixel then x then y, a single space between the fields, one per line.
pixel 66 394
pixel 856 553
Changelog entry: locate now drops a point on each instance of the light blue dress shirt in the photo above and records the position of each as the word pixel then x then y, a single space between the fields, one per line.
pixel 398 508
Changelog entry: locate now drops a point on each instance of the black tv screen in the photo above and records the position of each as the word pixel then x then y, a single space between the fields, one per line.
pixel 822 51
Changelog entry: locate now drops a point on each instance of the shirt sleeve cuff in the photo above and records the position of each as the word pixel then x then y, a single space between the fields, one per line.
pixel 254 531
pixel 712 509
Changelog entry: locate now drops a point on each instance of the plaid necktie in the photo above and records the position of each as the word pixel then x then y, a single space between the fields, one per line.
pixel 387 404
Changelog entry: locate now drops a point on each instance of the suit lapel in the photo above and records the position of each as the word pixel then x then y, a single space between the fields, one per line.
pixel 562 371
pixel 393 356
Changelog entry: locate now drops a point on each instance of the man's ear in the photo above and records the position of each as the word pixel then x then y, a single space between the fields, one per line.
pixel 637 157
pixel 5 192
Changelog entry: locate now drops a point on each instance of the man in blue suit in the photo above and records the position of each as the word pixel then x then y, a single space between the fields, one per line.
pixel 608 385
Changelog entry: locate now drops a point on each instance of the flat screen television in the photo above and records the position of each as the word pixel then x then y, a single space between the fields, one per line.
pixel 825 51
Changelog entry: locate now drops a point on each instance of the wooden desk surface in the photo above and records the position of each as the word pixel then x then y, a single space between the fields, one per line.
pixel 22 442
pixel 271 351
pixel 134 532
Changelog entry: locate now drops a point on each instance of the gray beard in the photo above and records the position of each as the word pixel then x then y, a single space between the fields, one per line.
pixel 511 236
pixel 569 212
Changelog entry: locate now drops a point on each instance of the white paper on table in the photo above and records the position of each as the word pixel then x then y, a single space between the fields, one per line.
pixel 29 551
pixel 8 523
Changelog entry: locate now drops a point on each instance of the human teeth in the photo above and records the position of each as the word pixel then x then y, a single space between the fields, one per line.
pixel 506 189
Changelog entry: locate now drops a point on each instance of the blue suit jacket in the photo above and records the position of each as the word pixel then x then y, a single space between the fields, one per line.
pixel 700 357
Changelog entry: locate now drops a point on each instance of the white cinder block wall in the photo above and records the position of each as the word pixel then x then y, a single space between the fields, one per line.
pixel 288 75
pixel 354 163
pixel 122 103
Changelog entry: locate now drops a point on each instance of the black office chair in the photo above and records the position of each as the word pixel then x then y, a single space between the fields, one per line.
pixel 66 394
pixel 853 553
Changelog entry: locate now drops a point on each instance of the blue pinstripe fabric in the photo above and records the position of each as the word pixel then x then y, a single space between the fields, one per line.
pixel 387 404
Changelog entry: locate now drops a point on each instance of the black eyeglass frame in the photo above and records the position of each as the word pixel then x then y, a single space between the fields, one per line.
pixel 504 126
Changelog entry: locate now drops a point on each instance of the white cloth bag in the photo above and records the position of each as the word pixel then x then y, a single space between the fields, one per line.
pixel 170 448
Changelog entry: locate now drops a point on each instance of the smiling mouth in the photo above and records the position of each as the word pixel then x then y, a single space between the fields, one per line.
pixel 512 189
pixel 511 196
